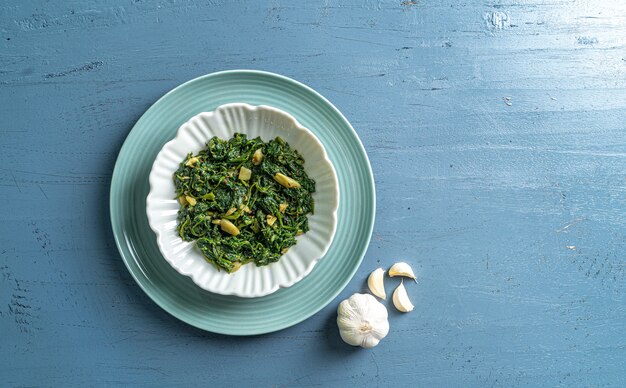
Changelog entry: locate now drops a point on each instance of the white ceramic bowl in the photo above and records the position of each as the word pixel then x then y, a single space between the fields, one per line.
pixel 249 281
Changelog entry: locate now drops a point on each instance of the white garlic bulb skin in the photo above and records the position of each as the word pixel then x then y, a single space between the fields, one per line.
pixel 362 321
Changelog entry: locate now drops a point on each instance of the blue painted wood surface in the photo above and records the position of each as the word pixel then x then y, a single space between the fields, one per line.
pixel 497 136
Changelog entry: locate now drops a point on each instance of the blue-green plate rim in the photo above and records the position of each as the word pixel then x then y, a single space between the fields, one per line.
pixel 119 241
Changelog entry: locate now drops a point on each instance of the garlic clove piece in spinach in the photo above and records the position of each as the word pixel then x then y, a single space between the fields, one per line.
pixel 362 320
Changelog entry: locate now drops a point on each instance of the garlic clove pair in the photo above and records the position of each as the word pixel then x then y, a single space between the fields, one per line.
pixel 401 299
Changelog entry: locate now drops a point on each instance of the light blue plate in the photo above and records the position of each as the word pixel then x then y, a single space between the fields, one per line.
pixel 176 293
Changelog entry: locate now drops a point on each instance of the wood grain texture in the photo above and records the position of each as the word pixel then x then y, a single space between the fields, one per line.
pixel 497 135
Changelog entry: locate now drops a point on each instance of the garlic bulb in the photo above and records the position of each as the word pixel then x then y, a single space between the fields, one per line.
pixel 401 299
pixel 402 269
pixel 362 320
pixel 376 283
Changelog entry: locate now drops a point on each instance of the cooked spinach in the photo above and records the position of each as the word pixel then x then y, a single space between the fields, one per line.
pixel 243 200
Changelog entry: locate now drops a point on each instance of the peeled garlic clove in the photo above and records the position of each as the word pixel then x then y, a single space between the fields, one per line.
pixel 286 181
pixel 376 284
pixel 245 174
pixel 402 269
pixel 401 299
pixel 229 227
pixel 191 161
pixel 236 266
pixel 191 200
pixel 257 157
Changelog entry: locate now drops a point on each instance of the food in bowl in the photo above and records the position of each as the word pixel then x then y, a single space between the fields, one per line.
pixel 162 205
pixel 243 200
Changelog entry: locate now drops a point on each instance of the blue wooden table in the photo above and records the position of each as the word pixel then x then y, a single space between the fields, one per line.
pixel 497 136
